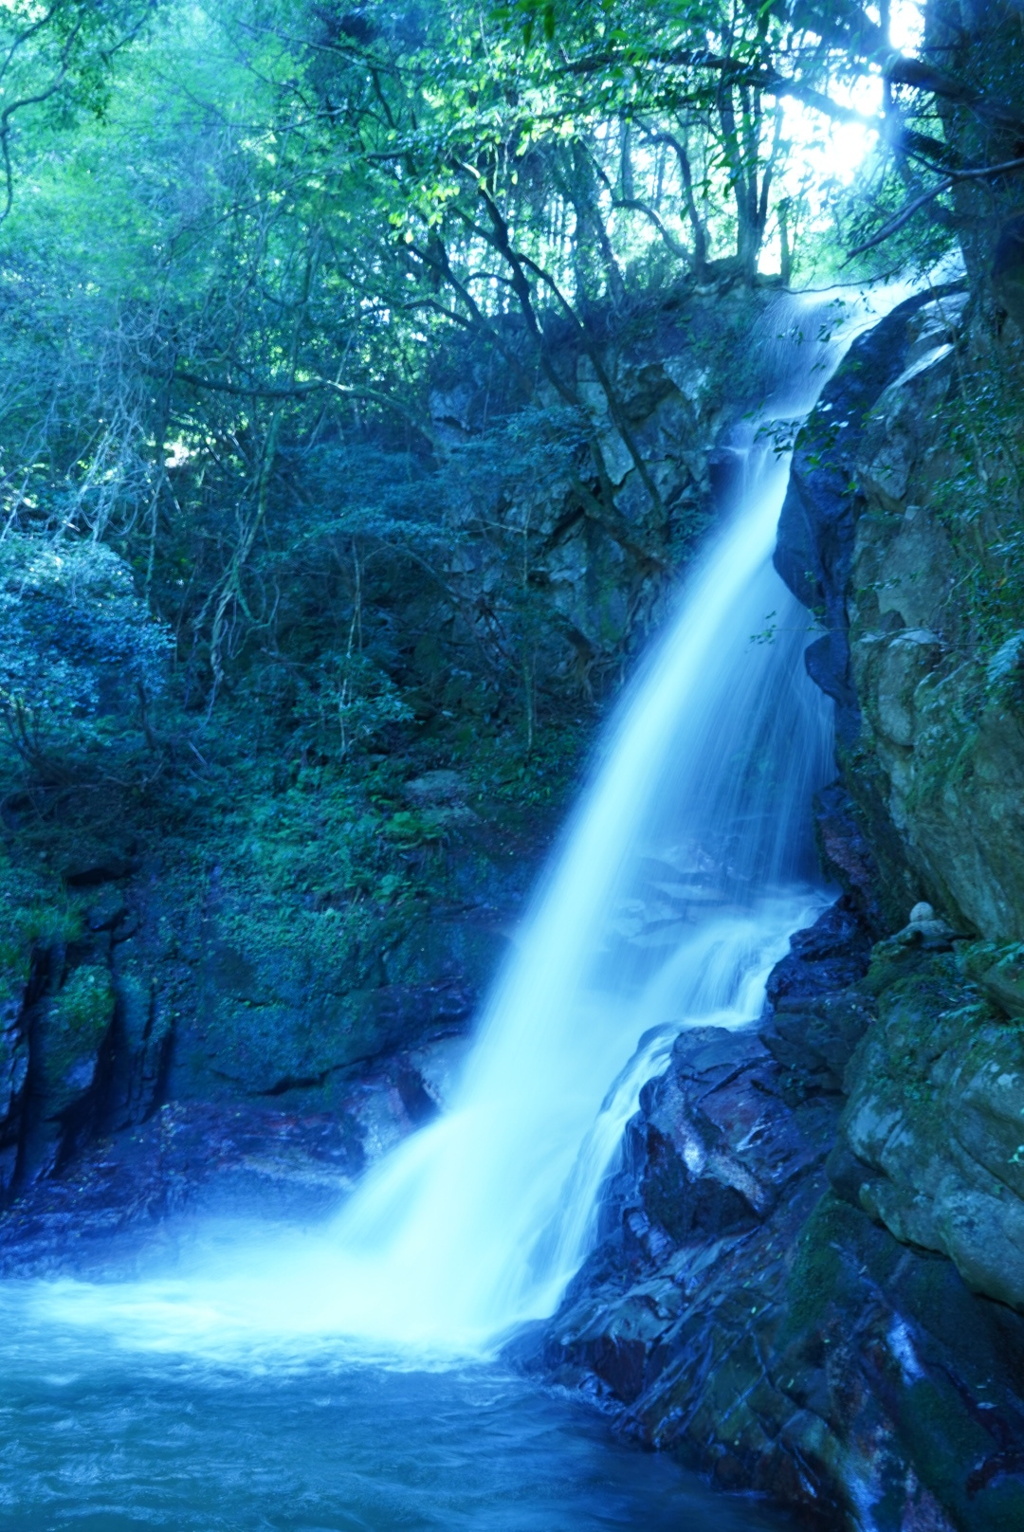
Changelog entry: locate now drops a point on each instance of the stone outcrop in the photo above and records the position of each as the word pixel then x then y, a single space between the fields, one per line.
pixel 143 1006
pixel 131 982
pixel 601 531
pixel 762 1304
pixel 946 732
pixel 146 1184
pixel 817 525
pixel 888 535
pixel 932 1136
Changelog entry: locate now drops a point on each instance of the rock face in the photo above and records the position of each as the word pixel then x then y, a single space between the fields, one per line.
pixel 922 646
pixel 818 521
pixel 755 1306
pixel 930 1141
pixel 600 532
pixel 149 994
pixel 945 729
pixel 191 1159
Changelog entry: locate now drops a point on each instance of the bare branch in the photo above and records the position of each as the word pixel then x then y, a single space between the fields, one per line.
pixel 292 391
pixel 907 212
pixel 761 77
pixel 635 205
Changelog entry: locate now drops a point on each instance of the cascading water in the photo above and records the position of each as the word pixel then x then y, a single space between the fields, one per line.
pixel 677 883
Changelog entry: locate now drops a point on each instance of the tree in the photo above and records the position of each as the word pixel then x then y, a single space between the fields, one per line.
pixel 239 283
pixel 57 56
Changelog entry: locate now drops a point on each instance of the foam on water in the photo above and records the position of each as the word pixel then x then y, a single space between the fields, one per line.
pixel 683 871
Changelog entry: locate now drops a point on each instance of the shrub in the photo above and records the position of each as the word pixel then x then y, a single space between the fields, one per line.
pixel 79 653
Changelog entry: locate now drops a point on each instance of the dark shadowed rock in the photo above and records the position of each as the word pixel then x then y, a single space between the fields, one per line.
pixel 129 1194
pixel 1008 269
pixel 741 1314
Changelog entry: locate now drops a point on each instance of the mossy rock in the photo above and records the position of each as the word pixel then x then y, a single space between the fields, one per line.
pixel 72 1030
pixel 35 912
pixel 932 1137
pixel 999 973
pixel 868 1325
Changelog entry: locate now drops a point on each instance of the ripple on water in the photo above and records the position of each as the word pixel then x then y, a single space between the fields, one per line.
pixel 102 1440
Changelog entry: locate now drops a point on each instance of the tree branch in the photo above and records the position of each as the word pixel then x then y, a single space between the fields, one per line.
pixel 761 77
pixel 292 391
pixel 906 213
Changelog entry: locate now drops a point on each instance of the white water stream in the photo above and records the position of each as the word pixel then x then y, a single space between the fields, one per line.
pixel 681 875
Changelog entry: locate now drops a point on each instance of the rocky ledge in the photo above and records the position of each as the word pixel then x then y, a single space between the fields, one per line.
pixel 799 1285
pixel 135 1191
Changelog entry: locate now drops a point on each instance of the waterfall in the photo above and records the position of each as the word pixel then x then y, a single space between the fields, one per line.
pixel 682 873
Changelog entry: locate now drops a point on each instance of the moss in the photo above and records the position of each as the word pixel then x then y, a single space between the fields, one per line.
pixel 927 1009
pixel 978 499
pixel 998 969
pixel 35 911
pixel 83 1005
pixel 72 1030
pixel 816 1277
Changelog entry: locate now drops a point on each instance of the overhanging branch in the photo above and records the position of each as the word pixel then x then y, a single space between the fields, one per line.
pixel 294 391
pixel 907 212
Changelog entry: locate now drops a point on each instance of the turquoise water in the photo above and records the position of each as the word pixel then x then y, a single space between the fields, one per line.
pixel 103 1440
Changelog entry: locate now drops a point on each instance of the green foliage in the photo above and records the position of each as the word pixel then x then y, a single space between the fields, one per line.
pixel 236 286
pixel 81 1011
pixel 55 60
pixel 73 1026
pixel 77 647
pixel 36 911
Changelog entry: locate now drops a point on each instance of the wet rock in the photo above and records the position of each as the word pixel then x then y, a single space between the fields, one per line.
pixel 750 1310
pixel 298 1012
pixel 814 1040
pixel 138 1192
pixel 718 1144
pixel 196 1159
pixel 850 858
pixel 721 1166
pixel 934 1121
pixel 14 1065
pixel 830 955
